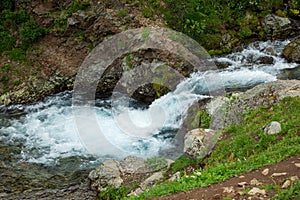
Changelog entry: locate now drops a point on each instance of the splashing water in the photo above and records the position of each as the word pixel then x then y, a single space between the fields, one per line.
pixel 46 131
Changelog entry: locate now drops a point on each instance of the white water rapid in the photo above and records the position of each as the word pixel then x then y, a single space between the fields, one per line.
pixel 46 131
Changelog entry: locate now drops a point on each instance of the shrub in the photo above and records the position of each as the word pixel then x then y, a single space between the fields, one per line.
pixel 245 32
pixel 31 33
pixel 6 5
pixel 17 54
pixel 6 40
pixel 16 18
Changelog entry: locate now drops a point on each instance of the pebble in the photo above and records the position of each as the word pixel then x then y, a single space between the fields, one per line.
pixel 265 172
pixel 297 165
pixel 255 182
pixel 278 174
pixel 175 177
pixel 228 189
pixel 294 178
pixel 242 184
pixel 256 190
pixel 286 184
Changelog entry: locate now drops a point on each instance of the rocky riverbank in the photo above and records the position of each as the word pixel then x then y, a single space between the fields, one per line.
pixel 197 143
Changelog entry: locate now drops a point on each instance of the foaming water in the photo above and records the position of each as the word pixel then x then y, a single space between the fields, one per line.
pixel 46 132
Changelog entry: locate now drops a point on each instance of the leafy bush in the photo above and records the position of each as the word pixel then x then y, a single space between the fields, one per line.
pixel 16 18
pixel 6 40
pixel 31 33
pixel 17 54
pixel 6 5
pixel 245 32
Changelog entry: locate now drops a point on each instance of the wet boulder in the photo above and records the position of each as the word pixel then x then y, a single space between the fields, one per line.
pixel 293 73
pixel 291 51
pixel 222 64
pixel 267 60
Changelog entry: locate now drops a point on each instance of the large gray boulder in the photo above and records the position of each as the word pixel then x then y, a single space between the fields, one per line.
pixel 133 164
pixel 278 27
pixel 292 51
pixel 114 173
pixel 199 142
pixel 225 111
pixel 106 174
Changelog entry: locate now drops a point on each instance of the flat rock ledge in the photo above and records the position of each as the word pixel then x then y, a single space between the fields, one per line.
pixel 229 110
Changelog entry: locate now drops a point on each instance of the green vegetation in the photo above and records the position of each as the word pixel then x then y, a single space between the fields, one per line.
pixel 114 193
pixel 291 193
pixel 6 40
pixel 245 148
pixel 24 28
pixel 207 20
pixel 60 23
pixel 17 54
pixel 79 36
pixel 181 163
pixel 129 61
pixel 30 33
pixel 6 4
pixel 122 12
pixel 156 164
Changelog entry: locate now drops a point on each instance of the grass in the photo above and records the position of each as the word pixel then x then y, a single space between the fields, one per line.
pixel 245 149
pixel 292 192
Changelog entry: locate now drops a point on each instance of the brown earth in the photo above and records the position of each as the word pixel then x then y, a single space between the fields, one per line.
pixel 231 188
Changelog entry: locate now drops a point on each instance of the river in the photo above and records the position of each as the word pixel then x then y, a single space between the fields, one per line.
pixel 41 150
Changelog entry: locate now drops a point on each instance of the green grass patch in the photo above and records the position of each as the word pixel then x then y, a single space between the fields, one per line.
pixel 245 149
pixel 292 192
pixel 114 193
pixel 6 68
pixel 181 163
pixel 156 164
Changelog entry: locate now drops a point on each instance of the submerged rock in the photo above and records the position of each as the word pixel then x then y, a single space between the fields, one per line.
pixel 293 73
pixel 265 60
